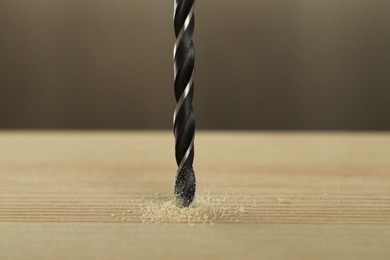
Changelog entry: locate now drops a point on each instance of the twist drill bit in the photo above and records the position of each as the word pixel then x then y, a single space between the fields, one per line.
pixel 184 117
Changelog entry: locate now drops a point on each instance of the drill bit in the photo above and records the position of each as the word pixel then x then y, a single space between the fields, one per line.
pixel 183 116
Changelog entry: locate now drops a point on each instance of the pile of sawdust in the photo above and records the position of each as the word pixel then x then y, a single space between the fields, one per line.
pixel 204 210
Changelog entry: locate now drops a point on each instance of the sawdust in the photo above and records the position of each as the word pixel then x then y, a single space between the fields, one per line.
pixel 207 209
pixel 204 210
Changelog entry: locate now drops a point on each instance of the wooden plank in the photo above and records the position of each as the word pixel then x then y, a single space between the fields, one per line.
pixel 108 195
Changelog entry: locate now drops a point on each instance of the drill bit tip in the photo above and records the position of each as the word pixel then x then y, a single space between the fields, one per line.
pixel 185 187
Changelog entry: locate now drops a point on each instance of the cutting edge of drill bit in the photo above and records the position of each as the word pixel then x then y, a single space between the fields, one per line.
pixel 186 155
pixel 184 28
pixel 183 96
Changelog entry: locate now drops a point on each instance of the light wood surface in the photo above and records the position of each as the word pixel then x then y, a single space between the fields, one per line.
pixel 93 195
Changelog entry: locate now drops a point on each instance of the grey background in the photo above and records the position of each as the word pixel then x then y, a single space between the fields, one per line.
pixel 268 64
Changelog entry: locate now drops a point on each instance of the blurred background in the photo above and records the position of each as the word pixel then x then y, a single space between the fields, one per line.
pixel 261 64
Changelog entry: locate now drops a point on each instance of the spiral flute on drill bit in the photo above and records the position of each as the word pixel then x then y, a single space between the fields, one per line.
pixel 184 117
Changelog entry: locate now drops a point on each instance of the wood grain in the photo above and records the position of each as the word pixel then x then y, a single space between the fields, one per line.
pixel 83 194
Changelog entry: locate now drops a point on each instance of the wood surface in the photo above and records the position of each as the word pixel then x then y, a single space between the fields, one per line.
pixel 294 195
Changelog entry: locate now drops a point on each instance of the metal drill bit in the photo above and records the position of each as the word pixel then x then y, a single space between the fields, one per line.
pixel 184 117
